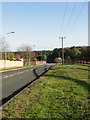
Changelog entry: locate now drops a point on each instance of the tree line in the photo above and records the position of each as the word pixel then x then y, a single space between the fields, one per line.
pixel 79 53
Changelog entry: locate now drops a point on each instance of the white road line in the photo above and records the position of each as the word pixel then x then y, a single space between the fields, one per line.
pixel 5 76
pixel 10 75
pixel 16 73
pixel 31 69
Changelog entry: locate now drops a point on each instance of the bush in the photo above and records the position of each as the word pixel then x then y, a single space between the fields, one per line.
pixel 41 57
pixel 11 56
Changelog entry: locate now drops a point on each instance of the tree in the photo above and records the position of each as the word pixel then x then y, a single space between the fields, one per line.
pixel 3 48
pixel 44 57
pixel 68 59
pixel 11 56
pixel 41 57
pixel 17 56
pixel 25 50
pixel 75 53
pixel 50 59
pixel 3 45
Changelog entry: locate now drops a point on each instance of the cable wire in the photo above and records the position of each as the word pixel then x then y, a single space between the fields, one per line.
pixel 64 18
pixel 77 17
pixel 71 15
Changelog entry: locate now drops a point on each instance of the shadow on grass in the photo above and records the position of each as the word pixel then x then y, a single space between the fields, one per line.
pixel 79 82
pixel 37 75
pixel 75 68
pixel 84 64
pixel 83 69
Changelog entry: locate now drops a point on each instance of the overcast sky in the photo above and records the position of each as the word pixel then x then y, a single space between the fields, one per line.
pixel 41 24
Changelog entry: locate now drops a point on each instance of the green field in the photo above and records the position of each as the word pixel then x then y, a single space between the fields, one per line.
pixel 61 93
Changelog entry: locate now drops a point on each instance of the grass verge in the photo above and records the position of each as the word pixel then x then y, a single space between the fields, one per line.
pixel 61 93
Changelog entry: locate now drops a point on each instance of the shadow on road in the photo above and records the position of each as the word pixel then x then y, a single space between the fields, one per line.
pixel 3 101
pixel 43 70
pixel 35 73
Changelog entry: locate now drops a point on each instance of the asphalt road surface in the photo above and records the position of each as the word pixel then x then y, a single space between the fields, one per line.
pixel 16 80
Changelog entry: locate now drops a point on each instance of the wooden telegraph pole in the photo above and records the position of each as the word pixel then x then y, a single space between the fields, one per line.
pixel 62 49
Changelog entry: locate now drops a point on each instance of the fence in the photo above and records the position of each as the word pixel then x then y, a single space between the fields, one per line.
pixel 38 62
pixel 10 64
pixel 77 62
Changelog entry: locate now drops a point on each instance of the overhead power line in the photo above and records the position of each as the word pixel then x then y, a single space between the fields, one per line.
pixel 71 16
pixel 77 17
pixel 63 20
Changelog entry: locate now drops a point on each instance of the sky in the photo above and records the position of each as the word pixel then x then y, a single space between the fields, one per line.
pixel 40 24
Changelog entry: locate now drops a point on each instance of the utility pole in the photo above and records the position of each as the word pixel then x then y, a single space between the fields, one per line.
pixel 62 49
pixel 29 58
pixel 5 66
pixel 59 56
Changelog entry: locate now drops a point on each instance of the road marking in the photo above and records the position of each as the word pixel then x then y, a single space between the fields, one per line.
pixel 10 75
pixel 44 67
pixel 5 76
pixel 16 73
pixel 31 69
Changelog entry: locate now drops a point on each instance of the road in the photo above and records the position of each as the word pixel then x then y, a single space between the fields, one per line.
pixel 16 80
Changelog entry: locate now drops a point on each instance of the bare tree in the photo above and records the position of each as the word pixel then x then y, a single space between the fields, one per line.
pixel 26 50
pixel 3 48
pixel 3 45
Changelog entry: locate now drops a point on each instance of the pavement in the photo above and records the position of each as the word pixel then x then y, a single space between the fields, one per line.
pixel 14 81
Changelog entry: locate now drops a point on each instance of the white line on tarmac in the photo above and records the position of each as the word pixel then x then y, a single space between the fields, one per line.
pixel 5 76
pixel 16 73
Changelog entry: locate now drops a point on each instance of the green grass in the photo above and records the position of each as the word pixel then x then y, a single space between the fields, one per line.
pixel 61 93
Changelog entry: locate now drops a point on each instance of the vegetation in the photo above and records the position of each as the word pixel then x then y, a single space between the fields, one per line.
pixel 11 56
pixel 41 57
pixel 70 54
pixel 61 93
pixel 3 44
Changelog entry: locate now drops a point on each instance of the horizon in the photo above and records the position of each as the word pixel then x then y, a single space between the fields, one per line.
pixel 48 49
